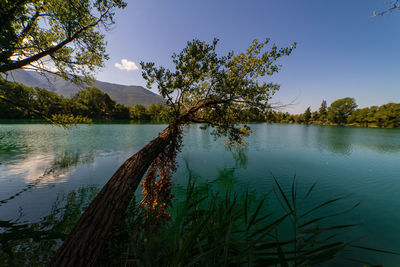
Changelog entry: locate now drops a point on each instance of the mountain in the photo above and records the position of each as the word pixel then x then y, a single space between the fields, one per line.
pixel 124 94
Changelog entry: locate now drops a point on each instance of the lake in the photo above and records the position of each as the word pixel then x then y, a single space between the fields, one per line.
pixel 39 162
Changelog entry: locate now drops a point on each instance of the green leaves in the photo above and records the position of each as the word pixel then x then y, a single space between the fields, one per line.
pixel 56 36
pixel 211 228
pixel 207 229
pixel 22 102
pixel 341 109
pixel 207 88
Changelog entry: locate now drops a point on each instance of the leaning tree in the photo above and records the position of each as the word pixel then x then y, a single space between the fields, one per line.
pixel 202 88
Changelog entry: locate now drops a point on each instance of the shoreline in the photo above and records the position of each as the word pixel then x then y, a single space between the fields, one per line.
pixel 39 121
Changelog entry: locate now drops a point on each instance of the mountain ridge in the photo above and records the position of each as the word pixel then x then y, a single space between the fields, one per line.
pixel 129 95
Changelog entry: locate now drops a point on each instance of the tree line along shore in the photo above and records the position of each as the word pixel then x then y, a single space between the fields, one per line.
pixel 93 104
pixel 343 112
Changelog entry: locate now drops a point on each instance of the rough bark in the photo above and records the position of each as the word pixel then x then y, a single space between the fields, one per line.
pixel 85 243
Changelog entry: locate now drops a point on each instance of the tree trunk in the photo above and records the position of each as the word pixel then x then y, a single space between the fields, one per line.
pixel 85 243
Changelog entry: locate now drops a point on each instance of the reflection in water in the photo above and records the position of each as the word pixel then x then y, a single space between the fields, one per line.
pixel 346 160
pixel 39 171
pixel 335 139
pixel 343 140
pixel 29 168
pixel 67 160
pixel 226 179
pixel 383 148
pixel 34 244
pixel 239 154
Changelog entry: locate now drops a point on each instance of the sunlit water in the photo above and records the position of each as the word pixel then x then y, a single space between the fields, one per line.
pixel 40 162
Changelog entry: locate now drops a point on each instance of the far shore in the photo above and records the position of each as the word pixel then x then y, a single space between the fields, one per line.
pixel 111 121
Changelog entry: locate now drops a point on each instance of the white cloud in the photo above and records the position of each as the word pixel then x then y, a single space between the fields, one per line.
pixel 126 65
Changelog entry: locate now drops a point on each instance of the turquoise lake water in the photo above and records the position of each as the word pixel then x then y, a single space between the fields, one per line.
pixel 39 162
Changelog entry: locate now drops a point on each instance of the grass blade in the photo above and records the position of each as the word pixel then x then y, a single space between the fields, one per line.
pixel 283 195
pixel 255 214
pixel 322 205
pixel 310 190
pixel 376 250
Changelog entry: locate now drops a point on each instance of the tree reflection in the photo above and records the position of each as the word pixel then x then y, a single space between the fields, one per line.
pixel 226 179
pixel 239 154
pixel 67 160
pixel 342 140
pixel 34 244
pixel 335 139
pixel 56 171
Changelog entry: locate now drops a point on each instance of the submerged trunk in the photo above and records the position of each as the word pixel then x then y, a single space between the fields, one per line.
pixel 85 243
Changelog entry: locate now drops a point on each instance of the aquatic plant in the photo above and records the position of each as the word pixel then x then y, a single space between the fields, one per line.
pixel 211 228
pixel 209 225
pixel 34 244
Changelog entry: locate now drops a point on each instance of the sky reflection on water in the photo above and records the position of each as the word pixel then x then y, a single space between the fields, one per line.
pixel 39 162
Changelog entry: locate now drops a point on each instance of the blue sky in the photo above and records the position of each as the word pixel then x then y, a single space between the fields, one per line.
pixel 341 51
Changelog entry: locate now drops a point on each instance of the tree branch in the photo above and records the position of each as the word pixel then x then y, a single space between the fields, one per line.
pixel 395 5
pixel 19 64
pixel 3 98
pixel 29 26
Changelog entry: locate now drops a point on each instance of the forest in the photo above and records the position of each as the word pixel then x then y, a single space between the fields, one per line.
pixel 94 104
pixel 343 112
pixel 30 103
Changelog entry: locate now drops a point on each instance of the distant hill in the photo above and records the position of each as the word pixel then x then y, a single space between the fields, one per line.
pixel 124 94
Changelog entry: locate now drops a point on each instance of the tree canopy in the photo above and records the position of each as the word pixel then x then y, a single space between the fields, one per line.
pixel 32 103
pixel 59 36
pixel 211 89
pixel 307 115
pixel 323 108
pixel 203 87
pixel 341 109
